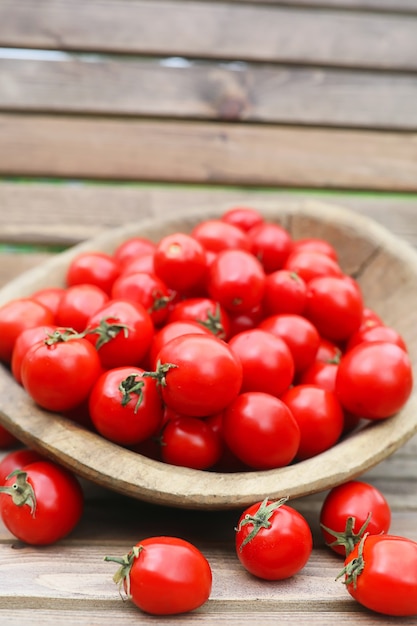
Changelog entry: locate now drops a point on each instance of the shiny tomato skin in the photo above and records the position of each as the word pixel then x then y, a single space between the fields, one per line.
pixel 358 499
pixel 49 297
pixel 125 417
pixel 204 375
pixel 171 330
pixel 285 292
pixel 388 581
pixel 133 248
pixel 51 373
pixel 77 305
pixel 180 261
pixel 319 416
pixel 59 505
pixel 261 431
pixel 147 289
pixel 217 234
pixel 236 280
pixel 376 333
pixel 206 311
pixel 316 244
pixel 374 380
pixel 16 459
pixel 24 341
pixel 243 217
pixel 267 362
pixel 94 268
pixel 169 576
pixel 271 244
pixel 133 337
pixel 309 264
pixel 190 442
pixel 279 551
pixel 17 315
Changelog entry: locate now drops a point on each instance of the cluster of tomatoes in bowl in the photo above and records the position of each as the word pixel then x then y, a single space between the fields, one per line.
pixel 231 347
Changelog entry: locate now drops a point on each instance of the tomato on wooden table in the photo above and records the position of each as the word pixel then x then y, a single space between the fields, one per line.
pixel 41 503
pixel 164 575
pixel 273 541
pixel 381 574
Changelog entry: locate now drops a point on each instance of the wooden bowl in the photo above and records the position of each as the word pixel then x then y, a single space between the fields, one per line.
pixel 386 268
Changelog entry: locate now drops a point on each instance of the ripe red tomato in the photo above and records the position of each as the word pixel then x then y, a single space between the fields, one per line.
pixel 236 280
pixel 381 574
pixel 133 248
pixel 216 235
pixel 309 264
pixel 93 268
pixel 351 509
pixel 243 217
pixel 164 576
pixel 180 261
pixel 17 459
pixel 374 380
pixel 316 244
pixel 190 442
pixel 124 406
pixel 261 431
pixel 319 415
pixel 122 333
pixel 24 341
pixel 17 315
pixel 206 311
pixel 49 297
pixel 170 331
pixel 267 362
pixel 375 332
pixel 273 540
pixel 51 371
pixel 77 304
pixel 41 503
pixel 300 335
pixel 285 292
pixel 147 289
pixel 271 244
pixel 198 374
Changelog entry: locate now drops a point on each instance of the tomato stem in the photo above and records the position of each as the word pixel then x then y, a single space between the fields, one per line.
pixel 61 335
pixel 131 385
pixel 21 491
pixel 355 567
pixel 160 373
pixel 213 322
pixel 122 575
pixel 348 538
pixel 260 519
pixel 107 331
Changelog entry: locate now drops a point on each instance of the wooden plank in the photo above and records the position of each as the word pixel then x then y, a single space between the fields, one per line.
pixel 206 153
pixel 67 213
pixel 360 5
pixel 253 93
pixel 220 30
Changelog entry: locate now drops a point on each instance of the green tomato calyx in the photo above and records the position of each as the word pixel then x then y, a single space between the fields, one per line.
pixel 355 567
pixel 348 538
pixel 122 575
pixel 261 518
pixel 21 491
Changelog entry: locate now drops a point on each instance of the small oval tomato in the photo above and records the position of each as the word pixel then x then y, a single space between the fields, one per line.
pixel 376 333
pixel 41 503
pixel 77 304
pixel 133 248
pixel 180 261
pixel 351 509
pixel 170 331
pixel 273 540
pixel 285 292
pixel 267 362
pixel 17 459
pixel 374 380
pixel 198 374
pixel 261 431
pixel 236 280
pixel 24 341
pixel 190 442
pixel 271 244
pixel 205 311
pixel 17 315
pixel 51 371
pixel 164 576
pixel 216 235
pixel 311 264
pixel 147 289
pixel 49 297
pixel 124 406
pixel 316 244
pixel 243 217
pixel 93 268
pixel 319 416
pixel 381 574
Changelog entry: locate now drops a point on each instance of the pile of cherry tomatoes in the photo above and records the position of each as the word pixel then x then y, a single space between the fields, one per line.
pixel 232 347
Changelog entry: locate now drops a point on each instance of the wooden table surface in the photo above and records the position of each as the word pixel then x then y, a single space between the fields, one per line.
pixel 115 110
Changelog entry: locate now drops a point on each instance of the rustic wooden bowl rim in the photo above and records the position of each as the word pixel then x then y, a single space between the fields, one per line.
pixel 107 464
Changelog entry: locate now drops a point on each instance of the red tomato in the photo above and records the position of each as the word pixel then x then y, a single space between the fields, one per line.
pixel 180 261
pixel 121 332
pixel 24 341
pixel 273 540
pixel 205 311
pixel 51 371
pixel 301 337
pixel 170 331
pixel 17 459
pixel 49 297
pixel 381 574
pixel 261 431
pixel 334 305
pixel 374 380
pixel 376 333
pixel 190 442
pixel 319 416
pixel 198 374
pixel 271 244
pixel 243 217
pixel 216 235
pixel 267 362
pixel 124 406
pixel 320 373
pixel 93 268
pixel 133 248
pixel 142 263
pixel 315 244
pixel 164 576
pixel 351 509
pixel 236 280
pixel 77 304
pixel 41 503
pixel 285 292
pixel 245 321
pixel 17 315
pixel 147 289
pixel 309 264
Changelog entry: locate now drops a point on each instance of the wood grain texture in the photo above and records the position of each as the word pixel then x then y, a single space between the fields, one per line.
pixel 253 93
pixel 222 30
pixel 214 153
